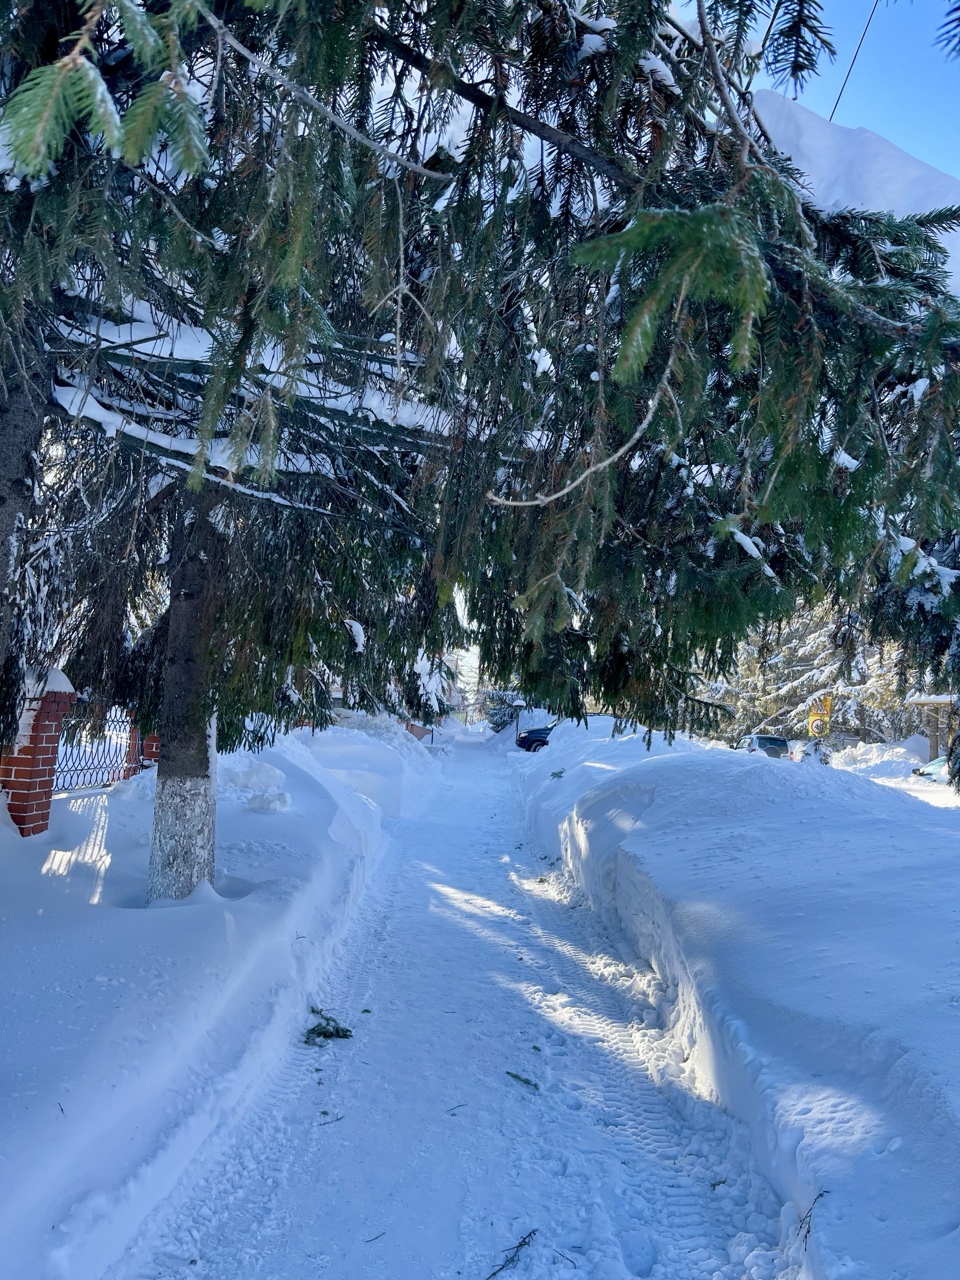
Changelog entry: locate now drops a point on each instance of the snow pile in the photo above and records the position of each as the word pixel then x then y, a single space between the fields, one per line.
pixel 376 756
pixel 884 761
pixel 802 923
pixel 259 783
pixel 590 743
pixel 129 1032
pixel 450 730
pixel 856 168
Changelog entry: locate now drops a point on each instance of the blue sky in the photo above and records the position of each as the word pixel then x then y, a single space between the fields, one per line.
pixel 902 86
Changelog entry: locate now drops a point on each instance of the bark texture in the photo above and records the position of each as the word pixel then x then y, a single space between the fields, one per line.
pixel 24 388
pixel 184 830
pixel 182 849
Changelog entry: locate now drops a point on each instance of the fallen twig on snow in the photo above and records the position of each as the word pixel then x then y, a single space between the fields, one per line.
pixel 806 1222
pixel 326 1028
pixel 513 1255
pixel 531 1084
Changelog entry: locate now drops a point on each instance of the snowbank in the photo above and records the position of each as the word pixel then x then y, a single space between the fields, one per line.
pixel 803 924
pixel 886 761
pixel 376 756
pixel 128 1032
pixel 893 765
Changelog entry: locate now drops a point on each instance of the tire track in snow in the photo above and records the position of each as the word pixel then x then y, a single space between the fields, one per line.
pixel 687 1190
pixel 475 962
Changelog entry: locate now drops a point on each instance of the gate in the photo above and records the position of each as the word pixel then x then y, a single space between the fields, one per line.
pixel 96 750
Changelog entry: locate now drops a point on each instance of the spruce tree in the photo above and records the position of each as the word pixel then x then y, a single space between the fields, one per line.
pixel 820 653
pixel 677 395
pixel 622 272
pixel 279 583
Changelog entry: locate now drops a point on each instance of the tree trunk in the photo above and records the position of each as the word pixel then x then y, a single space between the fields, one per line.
pixel 181 853
pixel 24 393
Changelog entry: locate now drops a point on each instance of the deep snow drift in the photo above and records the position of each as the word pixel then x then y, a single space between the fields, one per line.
pixel 889 762
pixel 128 1033
pixel 807 920
pixel 893 765
pixel 377 757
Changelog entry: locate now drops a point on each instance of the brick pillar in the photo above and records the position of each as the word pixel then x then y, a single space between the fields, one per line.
pixel 26 770
pixel 140 751
pixel 131 765
pixel 419 731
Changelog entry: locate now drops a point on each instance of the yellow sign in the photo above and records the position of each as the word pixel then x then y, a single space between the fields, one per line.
pixel 818 720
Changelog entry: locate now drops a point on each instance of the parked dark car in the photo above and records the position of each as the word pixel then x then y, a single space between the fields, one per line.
pixel 535 739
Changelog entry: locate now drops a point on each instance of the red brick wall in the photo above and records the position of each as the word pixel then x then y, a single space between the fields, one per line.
pixel 26 772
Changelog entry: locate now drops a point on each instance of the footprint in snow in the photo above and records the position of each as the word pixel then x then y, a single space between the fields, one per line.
pixel 639 1252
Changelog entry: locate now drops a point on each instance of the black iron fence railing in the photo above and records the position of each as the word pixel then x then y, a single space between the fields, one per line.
pixel 96 750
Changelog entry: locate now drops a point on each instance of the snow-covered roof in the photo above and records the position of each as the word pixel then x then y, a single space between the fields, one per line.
pixel 856 168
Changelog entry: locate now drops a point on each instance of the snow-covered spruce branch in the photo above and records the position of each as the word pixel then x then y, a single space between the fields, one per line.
pixel 185 452
pixel 305 96
pixel 544 499
pixel 832 290
pixel 440 73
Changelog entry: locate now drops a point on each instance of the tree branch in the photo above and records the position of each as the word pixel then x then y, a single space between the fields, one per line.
pixel 321 108
pixel 544 499
pixel 439 73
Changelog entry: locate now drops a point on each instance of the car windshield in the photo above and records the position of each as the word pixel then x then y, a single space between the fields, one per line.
pixel 773 742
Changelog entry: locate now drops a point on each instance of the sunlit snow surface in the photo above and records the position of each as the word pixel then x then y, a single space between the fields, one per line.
pixel 650 1026
pixel 808 919
pixel 511 1072
pixel 856 168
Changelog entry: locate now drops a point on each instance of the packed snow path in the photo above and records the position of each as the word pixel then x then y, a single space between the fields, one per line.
pixel 497 1085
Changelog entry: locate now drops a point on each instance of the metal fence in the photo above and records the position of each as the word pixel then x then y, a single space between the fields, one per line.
pixel 95 749
pixel 469 713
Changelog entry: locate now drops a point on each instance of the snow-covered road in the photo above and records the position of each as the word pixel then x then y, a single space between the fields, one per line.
pixel 497 1085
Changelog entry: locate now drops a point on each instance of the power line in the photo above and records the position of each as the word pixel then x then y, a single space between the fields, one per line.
pixel 854 59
